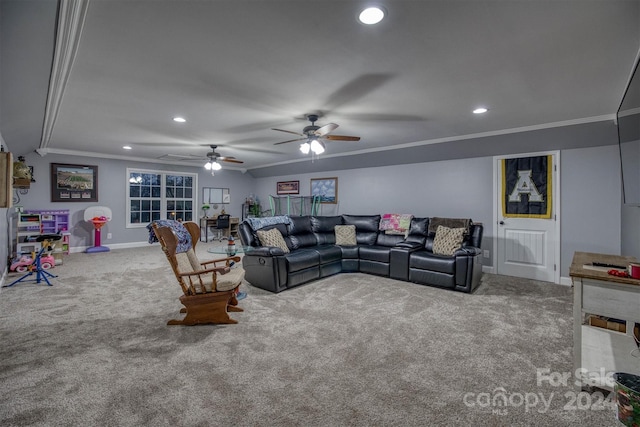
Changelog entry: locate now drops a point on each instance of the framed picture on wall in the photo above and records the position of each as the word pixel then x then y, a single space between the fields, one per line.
pixel 326 189
pixel 288 187
pixel 74 183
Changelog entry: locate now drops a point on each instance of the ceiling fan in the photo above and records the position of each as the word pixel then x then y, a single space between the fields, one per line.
pixel 313 136
pixel 213 158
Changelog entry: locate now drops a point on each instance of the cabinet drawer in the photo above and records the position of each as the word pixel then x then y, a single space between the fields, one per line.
pixel 613 300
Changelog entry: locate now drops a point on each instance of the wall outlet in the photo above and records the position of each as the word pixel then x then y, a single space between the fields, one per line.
pixel 485 253
pixel 109 236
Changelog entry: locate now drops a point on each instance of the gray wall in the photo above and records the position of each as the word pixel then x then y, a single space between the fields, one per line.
pixel 591 210
pixel 112 193
pixel 591 202
pixel 630 229
pixel 590 195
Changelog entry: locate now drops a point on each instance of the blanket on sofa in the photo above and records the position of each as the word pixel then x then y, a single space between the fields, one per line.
pixel 258 223
pixel 395 223
pixel 449 223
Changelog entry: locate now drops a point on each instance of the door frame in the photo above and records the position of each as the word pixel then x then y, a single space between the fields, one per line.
pixel 555 203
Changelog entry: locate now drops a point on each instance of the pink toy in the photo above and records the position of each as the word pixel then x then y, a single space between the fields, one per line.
pixel 23 264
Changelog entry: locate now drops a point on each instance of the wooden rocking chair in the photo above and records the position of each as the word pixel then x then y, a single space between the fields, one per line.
pixel 209 289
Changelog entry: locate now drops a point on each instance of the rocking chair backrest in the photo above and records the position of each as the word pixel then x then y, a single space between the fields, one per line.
pixel 183 262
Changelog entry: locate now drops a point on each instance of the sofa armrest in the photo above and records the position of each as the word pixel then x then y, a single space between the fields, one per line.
pixel 409 245
pixel 467 251
pixel 264 251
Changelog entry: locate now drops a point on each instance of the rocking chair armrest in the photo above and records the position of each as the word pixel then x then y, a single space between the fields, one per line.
pixel 213 261
pixel 221 270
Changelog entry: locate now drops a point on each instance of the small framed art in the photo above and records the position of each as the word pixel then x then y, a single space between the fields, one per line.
pixel 288 187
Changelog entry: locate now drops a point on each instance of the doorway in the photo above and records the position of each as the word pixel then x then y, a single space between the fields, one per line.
pixel 527 215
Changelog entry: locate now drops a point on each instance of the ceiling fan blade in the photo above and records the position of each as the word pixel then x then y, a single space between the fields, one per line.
pixel 229 160
pixel 323 130
pixel 291 140
pixel 341 138
pixel 288 131
pixel 182 156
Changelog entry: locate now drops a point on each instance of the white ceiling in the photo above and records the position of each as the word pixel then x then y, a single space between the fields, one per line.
pixel 236 68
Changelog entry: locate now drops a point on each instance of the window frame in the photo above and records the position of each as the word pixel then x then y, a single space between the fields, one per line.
pixel 163 194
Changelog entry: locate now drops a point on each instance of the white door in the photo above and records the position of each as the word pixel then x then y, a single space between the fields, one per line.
pixel 527 247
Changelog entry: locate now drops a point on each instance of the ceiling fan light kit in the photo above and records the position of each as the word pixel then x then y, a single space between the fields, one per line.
pixel 313 136
pixel 317 146
pixel 211 165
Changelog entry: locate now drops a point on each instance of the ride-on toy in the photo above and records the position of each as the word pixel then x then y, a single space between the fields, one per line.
pixel 22 264
pixel 37 264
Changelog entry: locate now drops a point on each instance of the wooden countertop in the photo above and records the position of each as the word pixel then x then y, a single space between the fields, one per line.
pixel 581 258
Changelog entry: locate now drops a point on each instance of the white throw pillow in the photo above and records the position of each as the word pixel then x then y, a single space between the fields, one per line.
pixel 272 237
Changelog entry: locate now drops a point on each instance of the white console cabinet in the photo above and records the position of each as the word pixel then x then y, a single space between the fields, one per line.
pixel 598 350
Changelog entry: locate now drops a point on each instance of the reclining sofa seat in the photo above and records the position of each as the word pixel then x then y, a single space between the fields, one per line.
pixel 313 254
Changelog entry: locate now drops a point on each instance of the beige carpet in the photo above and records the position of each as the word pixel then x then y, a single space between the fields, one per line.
pixel 349 350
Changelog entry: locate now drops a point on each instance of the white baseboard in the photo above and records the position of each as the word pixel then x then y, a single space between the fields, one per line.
pixel 487 269
pixel 77 249
pixel 566 281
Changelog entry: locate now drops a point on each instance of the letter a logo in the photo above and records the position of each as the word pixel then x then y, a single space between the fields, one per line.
pixel 525 185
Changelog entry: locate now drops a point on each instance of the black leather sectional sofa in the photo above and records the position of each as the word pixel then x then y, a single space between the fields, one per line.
pixel 314 254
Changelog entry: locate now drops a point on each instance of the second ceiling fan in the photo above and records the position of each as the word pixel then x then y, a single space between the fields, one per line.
pixel 313 136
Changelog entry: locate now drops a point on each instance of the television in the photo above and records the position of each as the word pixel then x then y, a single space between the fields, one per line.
pixel 628 119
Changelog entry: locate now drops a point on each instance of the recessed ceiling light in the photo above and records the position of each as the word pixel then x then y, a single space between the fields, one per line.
pixel 127 147
pixel 179 119
pixel 480 110
pixel 371 15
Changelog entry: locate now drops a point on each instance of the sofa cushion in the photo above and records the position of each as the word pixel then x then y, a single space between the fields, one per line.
pixel 418 231
pixel 363 222
pixel 447 240
pixel 345 235
pixel 329 253
pixel 366 227
pixel 272 237
pixel 389 239
pixel 300 225
pixel 322 227
pixel 301 259
pixel 325 224
pixel 375 253
pixel 300 233
pixel 425 260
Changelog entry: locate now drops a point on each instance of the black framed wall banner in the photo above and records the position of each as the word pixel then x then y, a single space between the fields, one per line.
pixel 526 187
pixel 74 183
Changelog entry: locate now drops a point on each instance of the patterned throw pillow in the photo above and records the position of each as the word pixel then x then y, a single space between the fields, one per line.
pixel 272 237
pixel 345 235
pixel 447 240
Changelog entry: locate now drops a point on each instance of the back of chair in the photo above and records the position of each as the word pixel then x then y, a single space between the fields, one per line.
pixel 181 262
pixel 223 221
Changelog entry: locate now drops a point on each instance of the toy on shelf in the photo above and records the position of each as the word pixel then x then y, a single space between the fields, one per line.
pixel 98 216
pixel 39 263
